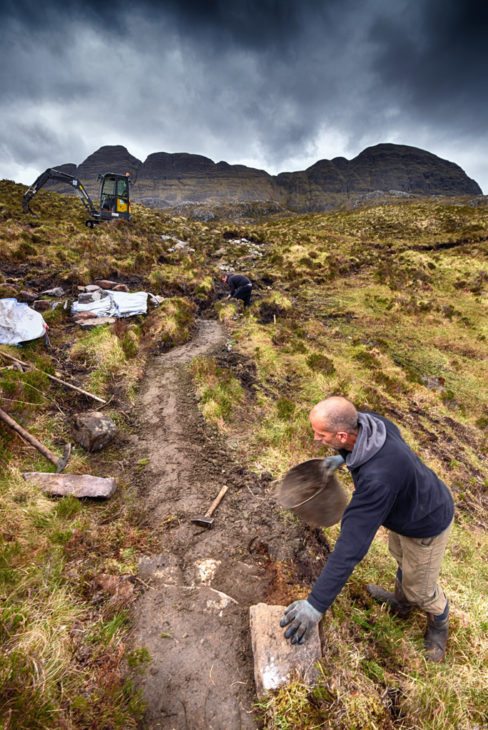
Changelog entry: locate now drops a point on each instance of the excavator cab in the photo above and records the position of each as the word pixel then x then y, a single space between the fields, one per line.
pixel 114 196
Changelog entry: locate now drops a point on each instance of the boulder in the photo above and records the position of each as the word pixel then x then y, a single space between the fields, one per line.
pixel 93 430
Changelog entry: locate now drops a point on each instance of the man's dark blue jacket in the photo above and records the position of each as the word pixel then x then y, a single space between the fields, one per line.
pixel 237 281
pixel 395 489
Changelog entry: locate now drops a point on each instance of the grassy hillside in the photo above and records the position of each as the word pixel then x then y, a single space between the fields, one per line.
pixel 385 305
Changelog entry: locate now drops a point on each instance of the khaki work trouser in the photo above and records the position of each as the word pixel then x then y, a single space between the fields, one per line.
pixel 419 559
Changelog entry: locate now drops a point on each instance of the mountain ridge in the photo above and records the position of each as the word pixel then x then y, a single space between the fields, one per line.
pixel 167 179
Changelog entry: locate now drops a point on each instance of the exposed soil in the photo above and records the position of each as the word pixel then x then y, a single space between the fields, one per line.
pixel 193 614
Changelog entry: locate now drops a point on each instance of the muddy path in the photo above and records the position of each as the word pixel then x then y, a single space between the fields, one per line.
pixel 193 614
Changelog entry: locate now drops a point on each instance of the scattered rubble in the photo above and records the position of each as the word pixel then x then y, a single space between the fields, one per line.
pixel 178 244
pixel 253 250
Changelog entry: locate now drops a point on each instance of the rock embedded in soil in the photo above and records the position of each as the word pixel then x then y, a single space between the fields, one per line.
pixel 87 297
pixel 56 292
pixel 42 305
pixel 106 283
pixel 87 324
pixel 276 661
pixel 76 485
pixel 93 430
pixel 82 315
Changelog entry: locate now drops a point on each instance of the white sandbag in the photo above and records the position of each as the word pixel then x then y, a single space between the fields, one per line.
pixel 115 304
pixel 19 323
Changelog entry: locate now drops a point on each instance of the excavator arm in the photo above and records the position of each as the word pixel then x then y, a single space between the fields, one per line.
pixel 52 174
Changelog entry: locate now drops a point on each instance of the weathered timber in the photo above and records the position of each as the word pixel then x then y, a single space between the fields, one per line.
pixel 53 377
pixel 59 461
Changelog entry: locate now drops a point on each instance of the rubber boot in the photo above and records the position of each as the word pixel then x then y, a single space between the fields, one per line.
pixel 435 639
pixel 396 602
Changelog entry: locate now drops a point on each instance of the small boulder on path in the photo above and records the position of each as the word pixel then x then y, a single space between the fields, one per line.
pixel 93 430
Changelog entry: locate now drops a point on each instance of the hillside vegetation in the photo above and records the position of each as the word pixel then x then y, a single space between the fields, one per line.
pixel 384 304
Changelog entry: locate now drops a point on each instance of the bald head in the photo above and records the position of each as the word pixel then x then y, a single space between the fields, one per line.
pixel 335 414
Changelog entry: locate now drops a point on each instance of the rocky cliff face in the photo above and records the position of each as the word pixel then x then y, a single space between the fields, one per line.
pixel 172 179
pixel 167 180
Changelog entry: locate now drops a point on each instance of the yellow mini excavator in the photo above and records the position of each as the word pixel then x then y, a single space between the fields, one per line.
pixel 114 195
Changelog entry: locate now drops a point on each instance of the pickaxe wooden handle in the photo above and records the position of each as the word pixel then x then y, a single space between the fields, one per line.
pixel 58 461
pixel 218 499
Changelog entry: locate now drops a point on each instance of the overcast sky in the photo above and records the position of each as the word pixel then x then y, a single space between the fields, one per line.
pixel 274 84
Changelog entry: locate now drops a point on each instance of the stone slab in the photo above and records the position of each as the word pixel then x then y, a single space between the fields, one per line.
pixel 87 324
pixel 78 485
pixel 276 661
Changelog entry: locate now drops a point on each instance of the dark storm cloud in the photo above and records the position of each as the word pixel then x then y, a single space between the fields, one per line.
pixel 278 83
pixel 436 58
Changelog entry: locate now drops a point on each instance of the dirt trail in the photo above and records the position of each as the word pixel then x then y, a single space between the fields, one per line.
pixel 193 616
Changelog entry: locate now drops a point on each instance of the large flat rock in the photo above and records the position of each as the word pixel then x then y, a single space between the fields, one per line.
pixel 276 661
pixel 78 485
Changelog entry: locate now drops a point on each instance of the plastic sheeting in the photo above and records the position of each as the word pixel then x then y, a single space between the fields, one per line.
pixel 19 323
pixel 115 304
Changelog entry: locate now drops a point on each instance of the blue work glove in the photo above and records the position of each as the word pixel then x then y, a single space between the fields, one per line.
pixel 302 617
pixel 331 463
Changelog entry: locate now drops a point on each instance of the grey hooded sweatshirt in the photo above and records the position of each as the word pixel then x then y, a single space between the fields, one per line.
pixel 392 487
